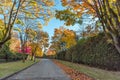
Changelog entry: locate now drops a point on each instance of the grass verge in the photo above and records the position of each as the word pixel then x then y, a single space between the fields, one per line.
pixel 95 73
pixel 12 67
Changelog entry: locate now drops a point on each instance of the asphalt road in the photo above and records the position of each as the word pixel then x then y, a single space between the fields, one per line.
pixel 43 70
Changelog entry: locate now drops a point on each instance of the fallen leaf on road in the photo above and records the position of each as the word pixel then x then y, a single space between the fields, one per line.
pixel 75 75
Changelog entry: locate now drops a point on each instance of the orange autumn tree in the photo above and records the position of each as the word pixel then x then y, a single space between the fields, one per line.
pixel 107 11
pixel 78 6
pixel 14 44
pixel 69 37
pixel 50 52
pixel 63 39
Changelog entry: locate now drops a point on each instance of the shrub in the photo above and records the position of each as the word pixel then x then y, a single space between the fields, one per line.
pixel 93 51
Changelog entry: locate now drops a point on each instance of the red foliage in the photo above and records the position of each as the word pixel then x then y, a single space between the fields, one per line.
pixel 27 50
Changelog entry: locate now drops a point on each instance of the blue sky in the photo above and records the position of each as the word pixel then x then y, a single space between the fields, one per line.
pixel 56 23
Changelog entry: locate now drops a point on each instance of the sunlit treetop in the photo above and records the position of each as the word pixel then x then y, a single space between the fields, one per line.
pixel 78 6
pixel 107 12
pixel 63 36
pixel 82 6
pixel 69 17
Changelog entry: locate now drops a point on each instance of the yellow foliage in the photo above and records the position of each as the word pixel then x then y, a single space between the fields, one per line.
pixel 7 3
pixel 77 7
pixel 40 25
pixel 69 38
pixel 39 52
pixel 65 35
pixel 36 49
pixel 14 44
pixel 1 25
pixel 33 3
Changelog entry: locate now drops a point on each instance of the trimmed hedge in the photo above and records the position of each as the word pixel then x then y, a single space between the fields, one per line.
pixel 11 57
pixel 94 51
pixel 7 55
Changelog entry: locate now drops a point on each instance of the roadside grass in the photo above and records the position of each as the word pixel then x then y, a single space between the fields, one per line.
pixel 12 67
pixel 97 74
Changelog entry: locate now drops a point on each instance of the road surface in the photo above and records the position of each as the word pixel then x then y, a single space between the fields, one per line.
pixel 43 70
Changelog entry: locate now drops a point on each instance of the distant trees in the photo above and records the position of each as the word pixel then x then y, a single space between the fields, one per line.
pixel 39 44
pixel 31 35
pixel 12 11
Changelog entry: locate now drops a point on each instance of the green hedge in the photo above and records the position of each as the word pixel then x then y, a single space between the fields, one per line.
pixel 11 57
pixel 93 51
pixel 7 55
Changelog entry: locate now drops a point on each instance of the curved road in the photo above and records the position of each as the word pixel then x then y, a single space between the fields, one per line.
pixel 43 70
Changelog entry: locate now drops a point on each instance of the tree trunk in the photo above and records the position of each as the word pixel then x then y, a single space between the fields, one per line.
pixel 32 56
pixel 6 57
pixel 23 58
pixel 116 40
pixel 72 57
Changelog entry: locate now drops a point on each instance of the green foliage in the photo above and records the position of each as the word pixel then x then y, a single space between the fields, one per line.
pixel 94 51
pixel 81 41
pixel 69 17
pixel 7 55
